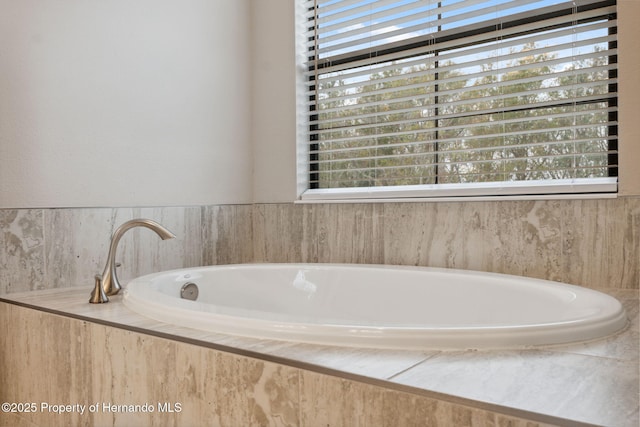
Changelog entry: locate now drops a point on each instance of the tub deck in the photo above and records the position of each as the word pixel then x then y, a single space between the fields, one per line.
pixel 593 383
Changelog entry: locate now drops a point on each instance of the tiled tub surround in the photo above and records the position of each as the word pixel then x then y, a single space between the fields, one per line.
pixel 106 353
pixel 592 243
pixel 56 248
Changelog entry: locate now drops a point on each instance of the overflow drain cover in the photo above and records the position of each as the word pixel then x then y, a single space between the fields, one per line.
pixel 189 291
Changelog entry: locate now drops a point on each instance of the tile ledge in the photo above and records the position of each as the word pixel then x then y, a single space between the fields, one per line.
pixel 112 314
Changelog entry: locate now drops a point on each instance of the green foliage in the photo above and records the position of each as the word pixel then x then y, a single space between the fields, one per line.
pixel 435 122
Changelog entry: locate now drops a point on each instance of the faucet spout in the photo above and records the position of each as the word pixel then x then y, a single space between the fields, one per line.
pixel 110 283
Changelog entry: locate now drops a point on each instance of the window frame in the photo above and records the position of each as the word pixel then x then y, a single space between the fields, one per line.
pixel 551 188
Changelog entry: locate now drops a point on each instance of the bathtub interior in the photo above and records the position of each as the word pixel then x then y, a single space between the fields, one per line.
pixel 316 302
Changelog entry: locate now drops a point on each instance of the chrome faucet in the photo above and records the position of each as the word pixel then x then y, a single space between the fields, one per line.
pixel 108 283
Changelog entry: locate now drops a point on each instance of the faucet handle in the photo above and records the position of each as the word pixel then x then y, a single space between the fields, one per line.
pixel 97 295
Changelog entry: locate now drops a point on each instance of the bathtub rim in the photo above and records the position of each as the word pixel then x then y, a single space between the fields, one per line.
pixel 383 337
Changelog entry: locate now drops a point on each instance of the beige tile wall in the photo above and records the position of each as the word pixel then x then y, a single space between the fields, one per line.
pixel 593 243
pixel 76 362
pixel 53 248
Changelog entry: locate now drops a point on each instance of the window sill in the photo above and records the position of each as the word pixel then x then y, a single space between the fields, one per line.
pixel 592 188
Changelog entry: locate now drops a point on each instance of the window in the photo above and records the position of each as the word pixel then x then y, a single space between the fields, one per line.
pixel 428 98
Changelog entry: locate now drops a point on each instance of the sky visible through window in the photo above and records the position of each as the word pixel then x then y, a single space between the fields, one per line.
pixel 402 20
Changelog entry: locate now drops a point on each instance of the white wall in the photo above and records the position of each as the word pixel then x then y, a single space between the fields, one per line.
pixel 124 103
pixel 274 100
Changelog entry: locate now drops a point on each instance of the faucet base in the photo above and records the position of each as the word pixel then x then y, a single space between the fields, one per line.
pixel 97 295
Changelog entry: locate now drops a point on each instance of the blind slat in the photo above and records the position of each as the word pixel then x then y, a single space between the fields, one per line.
pixel 466 139
pixel 433 86
pixel 487 111
pixel 480 55
pixel 426 24
pixel 419 11
pixel 449 38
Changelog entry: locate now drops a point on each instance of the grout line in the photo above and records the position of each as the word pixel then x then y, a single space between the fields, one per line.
pixel 413 366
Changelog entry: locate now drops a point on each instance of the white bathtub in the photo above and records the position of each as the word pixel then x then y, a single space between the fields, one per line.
pixel 377 306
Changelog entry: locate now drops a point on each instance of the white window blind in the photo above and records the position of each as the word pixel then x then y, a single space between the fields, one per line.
pixel 461 97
